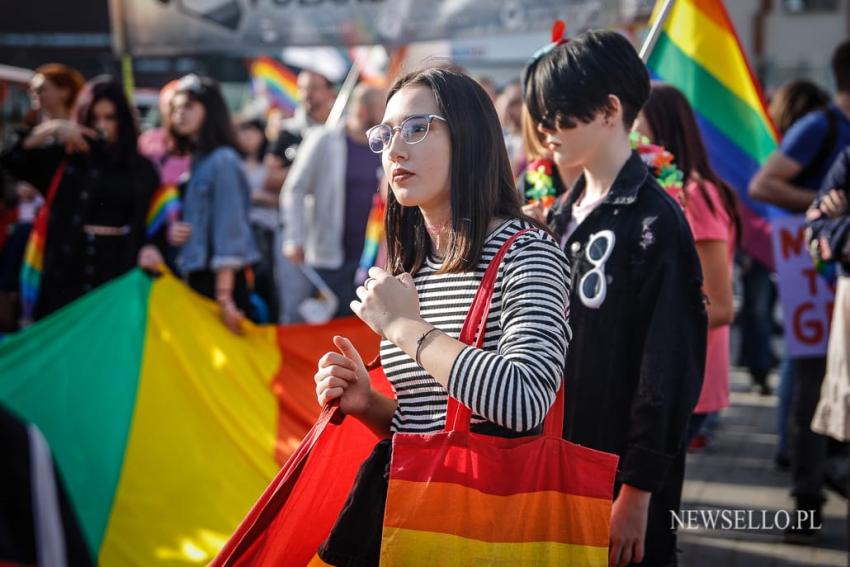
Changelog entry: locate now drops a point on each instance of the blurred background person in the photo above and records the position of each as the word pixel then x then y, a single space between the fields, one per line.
pixel 219 245
pixel 509 110
pixel 265 220
pixel 102 188
pixel 157 145
pixel 336 169
pixel 53 91
pixel 790 103
pixel 316 96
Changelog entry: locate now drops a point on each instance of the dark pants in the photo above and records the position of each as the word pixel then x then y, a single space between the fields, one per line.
pixel 341 282
pixel 808 449
pixel 265 282
pixel 756 320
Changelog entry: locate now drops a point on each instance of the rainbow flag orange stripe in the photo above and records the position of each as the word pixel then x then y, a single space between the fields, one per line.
pixel 280 82
pixel 442 509
pixel 699 53
pixel 164 207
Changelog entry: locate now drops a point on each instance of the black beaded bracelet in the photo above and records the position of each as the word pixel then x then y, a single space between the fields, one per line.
pixel 421 341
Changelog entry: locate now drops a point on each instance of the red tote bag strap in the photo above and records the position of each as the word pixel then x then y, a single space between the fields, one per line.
pixel 458 416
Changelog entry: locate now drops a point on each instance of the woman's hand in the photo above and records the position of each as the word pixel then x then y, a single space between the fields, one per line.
pixel 385 301
pixel 535 210
pixel 70 134
pixel 628 526
pixel 150 258
pixel 834 204
pixel 232 316
pixel 179 233
pixel 343 376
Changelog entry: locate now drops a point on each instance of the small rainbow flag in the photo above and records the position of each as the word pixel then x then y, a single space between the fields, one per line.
pixel 699 53
pixel 164 207
pixel 277 81
pixel 374 236
pixel 33 263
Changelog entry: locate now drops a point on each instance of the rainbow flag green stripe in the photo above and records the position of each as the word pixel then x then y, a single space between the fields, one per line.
pixel 743 125
pixel 109 322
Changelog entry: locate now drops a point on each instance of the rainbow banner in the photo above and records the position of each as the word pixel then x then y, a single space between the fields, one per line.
pixel 699 53
pixel 164 426
pixel 164 207
pixel 278 82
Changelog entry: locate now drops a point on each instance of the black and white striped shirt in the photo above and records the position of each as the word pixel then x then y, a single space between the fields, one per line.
pixel 512 381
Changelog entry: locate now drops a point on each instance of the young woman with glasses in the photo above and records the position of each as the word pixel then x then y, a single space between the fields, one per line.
pixel 452 204
pixel 635 367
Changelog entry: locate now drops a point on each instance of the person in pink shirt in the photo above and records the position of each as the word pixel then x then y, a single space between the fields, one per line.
pixel 710 207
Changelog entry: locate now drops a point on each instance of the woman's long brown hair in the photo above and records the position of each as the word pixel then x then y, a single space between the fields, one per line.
pixel 674 126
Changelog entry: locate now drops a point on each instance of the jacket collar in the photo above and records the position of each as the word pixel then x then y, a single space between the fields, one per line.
pixel 624 191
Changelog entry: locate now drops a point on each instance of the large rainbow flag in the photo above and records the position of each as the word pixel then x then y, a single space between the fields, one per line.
pixel 165 427
pixel 277 81
pixel 699 53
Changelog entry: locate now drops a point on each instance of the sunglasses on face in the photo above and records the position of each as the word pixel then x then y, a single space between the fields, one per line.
pixel 593 285
pixel 413 130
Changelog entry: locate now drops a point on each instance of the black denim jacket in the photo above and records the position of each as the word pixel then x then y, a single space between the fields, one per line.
pixel 635 365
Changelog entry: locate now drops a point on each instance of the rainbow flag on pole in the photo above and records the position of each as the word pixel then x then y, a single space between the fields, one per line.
pixel 277 81
pixel 164 426
pixel 699 53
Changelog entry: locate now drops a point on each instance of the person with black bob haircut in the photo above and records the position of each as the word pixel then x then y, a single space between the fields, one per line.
pixel 452 205
pixel 634 370
pixel 215 235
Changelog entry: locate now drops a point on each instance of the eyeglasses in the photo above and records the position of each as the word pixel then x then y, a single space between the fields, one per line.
pixel 593 285
pixel 413 130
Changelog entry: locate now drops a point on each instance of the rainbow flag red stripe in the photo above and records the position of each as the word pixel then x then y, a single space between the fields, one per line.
pixel 164 207
pixel 280 82
pixel 699 53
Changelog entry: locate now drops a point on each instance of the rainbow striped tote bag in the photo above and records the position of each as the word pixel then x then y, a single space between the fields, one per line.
pixel 462 498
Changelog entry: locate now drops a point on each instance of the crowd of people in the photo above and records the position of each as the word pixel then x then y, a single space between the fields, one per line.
pixel 622 286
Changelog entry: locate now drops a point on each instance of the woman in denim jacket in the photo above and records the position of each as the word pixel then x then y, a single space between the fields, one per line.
pixel 215 233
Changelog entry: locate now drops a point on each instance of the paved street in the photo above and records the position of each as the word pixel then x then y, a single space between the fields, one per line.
pixel 737 473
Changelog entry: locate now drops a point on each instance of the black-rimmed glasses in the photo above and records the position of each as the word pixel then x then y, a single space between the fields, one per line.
pixel 413 130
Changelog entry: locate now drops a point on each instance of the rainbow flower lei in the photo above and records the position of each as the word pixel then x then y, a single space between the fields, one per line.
pixel 541 185
pixel 660 162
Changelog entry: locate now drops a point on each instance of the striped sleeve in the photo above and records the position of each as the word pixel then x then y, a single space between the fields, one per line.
pixel 515 385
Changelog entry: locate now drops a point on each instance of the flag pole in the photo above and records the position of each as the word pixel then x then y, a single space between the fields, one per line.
pixel 655 31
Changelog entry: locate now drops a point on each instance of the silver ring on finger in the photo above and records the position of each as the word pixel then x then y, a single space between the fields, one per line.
pixel 367 282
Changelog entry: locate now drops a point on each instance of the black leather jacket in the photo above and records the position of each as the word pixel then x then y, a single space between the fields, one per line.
pixel 635 364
